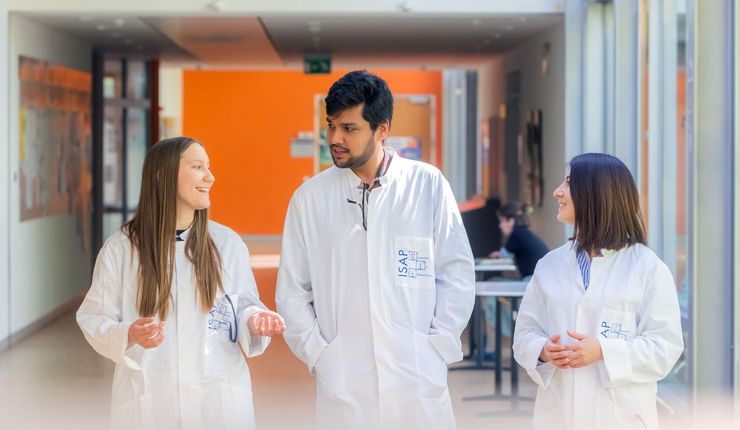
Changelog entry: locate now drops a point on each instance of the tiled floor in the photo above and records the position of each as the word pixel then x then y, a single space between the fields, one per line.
pixel 53 379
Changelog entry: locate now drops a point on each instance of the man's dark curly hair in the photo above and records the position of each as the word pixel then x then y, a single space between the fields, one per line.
pixel 362 87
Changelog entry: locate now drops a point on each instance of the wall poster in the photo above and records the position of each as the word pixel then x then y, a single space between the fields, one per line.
pixel 55 138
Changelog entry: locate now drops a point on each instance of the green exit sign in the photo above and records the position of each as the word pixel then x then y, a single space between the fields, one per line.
pixel 316 65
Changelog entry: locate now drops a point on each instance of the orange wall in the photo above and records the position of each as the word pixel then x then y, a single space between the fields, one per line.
pixel 246 121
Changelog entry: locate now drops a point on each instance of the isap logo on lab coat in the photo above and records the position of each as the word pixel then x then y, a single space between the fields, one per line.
pixel 221 316
pixel 413 258
pixel 613 330
pixel 411 264
pixel 617 324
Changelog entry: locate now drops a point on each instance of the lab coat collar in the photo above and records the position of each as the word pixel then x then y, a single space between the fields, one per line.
pixel 184 234
pixel 608 252
pixel 390 173
pixel 604 252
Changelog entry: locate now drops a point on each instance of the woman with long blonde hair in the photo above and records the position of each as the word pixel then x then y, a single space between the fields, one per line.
pixel 173 302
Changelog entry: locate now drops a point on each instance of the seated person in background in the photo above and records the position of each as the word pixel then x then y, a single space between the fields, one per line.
pixel 521 243
pixel 524 246
pixel 484 236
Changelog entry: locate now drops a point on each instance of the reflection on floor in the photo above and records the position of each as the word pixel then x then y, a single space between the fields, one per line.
pixel 53 379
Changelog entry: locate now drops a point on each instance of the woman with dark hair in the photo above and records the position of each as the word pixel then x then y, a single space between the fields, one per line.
pixel 599 324
pixel 174 304
pixel 526 247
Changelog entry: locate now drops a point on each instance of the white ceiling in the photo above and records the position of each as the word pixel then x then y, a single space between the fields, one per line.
pixel 282 41
pixel 220 41
pixel 404 34
pixel 129 35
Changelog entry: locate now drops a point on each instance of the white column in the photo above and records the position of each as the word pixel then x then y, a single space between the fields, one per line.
pixel 170 100
pixel 653 85
pixel 625 87
pixel 736 201
pixel 609 48
pixel 594 94
pixel 669 126
pixel 574 74
pixel 453 129
pixel 711 208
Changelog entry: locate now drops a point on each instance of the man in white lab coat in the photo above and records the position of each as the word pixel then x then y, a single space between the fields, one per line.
pixel 376 279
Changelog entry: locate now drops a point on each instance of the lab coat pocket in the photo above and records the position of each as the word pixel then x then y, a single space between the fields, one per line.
pixel 330 369
pixel 431 367
pixel 131 402
pixel 627 407
pixel 616 324
pixel 221 351
pixel 414 262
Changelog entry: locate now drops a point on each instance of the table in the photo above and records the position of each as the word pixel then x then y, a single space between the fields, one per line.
pixel 484 265
pixel 477 329
pixel 513 290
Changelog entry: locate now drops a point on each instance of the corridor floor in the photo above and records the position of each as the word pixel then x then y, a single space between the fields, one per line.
pixel 54 379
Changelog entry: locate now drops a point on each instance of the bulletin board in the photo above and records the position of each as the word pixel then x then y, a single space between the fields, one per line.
pixel 55 139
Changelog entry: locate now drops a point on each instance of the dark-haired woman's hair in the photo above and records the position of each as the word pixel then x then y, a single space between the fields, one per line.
pixel 152 233
pixel 518 211
pixel 606 203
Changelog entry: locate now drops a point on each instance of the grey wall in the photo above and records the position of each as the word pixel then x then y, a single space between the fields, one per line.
pixel 48 266
pixel 538 92
pixel 4 180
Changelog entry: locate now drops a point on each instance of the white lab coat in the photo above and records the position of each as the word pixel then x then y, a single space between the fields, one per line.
pixel 631 306
pixel 196 378
pixel 377 314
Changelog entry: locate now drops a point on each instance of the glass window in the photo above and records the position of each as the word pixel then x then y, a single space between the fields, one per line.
pixel 111 223
pixel 674 170
pixel 644 107
pixel 125 115
pixel 136 80
pixel 112 83
pixel 136 145
pixel 662 159
pixel 112 158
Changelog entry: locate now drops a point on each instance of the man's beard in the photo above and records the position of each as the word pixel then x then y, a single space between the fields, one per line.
pixel 354 162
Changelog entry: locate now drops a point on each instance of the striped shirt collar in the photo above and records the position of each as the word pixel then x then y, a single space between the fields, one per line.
pixel 584 263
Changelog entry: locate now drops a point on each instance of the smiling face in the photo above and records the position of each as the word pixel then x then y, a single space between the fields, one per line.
pixel 351 140
pixel 566 210
pixel 194 180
